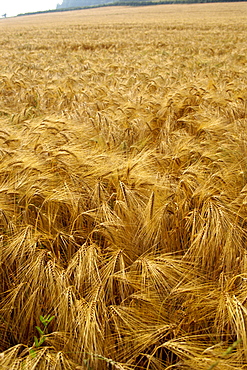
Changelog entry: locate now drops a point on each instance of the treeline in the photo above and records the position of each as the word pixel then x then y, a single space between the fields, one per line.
pixel 130 3
pixel 145 3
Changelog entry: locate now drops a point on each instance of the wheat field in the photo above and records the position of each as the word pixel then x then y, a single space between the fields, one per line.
pixel 123 189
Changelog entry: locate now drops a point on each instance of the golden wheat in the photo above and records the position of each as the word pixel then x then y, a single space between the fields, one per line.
pixel 123 188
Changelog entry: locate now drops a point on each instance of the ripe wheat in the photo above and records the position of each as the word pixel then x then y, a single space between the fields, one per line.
pixel 123 188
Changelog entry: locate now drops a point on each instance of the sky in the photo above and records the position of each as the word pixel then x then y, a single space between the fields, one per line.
pixel 14 7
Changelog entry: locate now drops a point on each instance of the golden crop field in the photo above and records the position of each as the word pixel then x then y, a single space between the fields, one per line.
pixel 123 189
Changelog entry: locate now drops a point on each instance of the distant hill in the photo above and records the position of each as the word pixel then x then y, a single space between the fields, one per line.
pixel 75 4
pixel 81 3
pixel 68 5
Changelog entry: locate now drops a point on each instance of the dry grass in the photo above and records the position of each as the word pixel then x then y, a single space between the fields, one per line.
pixel 123 188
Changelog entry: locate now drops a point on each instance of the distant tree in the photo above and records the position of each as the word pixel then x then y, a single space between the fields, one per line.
pixel 4 15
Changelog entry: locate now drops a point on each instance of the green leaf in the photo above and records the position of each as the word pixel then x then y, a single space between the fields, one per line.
pixel 50 319
pixel 32 353
pixel 36 341
pixel 41 341
pixel 39 330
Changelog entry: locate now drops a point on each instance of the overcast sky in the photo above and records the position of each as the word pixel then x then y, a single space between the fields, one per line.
pixel 14 7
